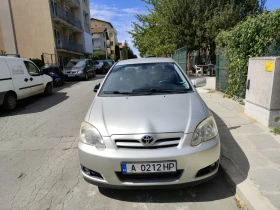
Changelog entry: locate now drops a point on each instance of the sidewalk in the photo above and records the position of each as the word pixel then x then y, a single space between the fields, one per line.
pixel 250 152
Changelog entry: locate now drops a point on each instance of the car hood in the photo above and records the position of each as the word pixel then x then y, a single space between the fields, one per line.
pixel 147 114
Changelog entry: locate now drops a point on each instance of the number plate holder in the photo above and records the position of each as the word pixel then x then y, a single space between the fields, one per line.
pixel 149 167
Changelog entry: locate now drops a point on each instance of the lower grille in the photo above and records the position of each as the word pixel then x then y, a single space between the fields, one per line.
pixel 154 177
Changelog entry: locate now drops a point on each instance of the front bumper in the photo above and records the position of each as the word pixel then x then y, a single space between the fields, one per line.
pixel 190 160
pixel 2 97
pixel 73 76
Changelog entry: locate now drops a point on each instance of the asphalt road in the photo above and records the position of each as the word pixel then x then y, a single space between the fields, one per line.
pixel 40 170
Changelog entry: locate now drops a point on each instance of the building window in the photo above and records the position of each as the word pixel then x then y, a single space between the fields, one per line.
pixel 103 25
pixel 104 45
pixel 86 18
pixel 111 43
pixel 95 25
pixel 93 42
pixel 57 39
pixel 54 8
pixel 110 34
pixel 112 52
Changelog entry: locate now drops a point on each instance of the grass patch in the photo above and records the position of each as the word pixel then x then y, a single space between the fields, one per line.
pixel 211 91
pixel 276 131
pixel 242 103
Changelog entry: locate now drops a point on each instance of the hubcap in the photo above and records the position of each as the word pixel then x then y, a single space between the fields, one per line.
pixel 11 101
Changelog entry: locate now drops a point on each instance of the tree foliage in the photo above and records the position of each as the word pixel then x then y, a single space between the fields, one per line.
pixel 97 55
pixel 255 37
pixel 127 52
pixel 193 23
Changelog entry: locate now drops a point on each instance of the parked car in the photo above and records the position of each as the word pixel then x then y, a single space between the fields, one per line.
pixel 55 73
pixel 102 66
pixel 148 127
pixel 79 69
pixel 21 78
pixel 110 62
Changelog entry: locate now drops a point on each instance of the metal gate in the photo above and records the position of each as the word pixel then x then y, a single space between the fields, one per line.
pixel 222 72
pixel 181 57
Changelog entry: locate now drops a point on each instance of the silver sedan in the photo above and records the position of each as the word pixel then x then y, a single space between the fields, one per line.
pixel 148 127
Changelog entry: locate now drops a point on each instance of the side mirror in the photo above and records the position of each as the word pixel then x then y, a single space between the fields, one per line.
pixel 199 82
pixel 96 88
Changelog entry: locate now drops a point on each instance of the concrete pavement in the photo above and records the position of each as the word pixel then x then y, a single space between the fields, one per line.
pixel 40 169
pixel 251 153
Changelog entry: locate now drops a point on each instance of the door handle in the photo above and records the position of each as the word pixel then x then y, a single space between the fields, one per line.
pixel 25 79
pixel 31 79
pixel 248 84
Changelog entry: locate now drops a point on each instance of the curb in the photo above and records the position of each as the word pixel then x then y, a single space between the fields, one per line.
pixel 249 194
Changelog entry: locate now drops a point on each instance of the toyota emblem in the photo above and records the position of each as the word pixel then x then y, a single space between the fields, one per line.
pixel 146 140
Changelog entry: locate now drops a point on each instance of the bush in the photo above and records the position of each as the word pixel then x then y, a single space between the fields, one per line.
pixel 257 36
pixel 98 55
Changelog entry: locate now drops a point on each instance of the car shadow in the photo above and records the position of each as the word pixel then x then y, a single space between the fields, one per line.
pixel 34 104
pixel 216 189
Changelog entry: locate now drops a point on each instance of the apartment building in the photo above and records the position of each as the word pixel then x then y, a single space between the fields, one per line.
pixel 112 33
pixel 100 39
pixel 57 29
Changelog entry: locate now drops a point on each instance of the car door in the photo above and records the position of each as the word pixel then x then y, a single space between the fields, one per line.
pixel 91 67
pixel 35 78
pixel 19 77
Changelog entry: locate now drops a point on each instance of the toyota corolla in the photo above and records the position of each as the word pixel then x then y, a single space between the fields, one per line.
pixel 148 127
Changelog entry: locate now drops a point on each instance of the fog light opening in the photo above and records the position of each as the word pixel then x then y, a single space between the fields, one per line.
pixel 91 173
pixel 207 170
pixel 213 167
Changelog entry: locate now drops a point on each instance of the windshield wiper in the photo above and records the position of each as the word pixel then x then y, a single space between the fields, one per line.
pixel 154 90
pixel 117 92
pixel 123 93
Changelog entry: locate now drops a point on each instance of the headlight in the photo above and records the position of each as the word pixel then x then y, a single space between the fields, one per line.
pixel 206 130
pixel 80 72
pixel 90 135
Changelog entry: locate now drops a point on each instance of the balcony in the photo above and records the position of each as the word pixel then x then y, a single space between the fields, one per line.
pixel 68 45
pixel 62 16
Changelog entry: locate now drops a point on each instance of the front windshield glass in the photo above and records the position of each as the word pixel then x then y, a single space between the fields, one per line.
pixel 146 78
pixel 76 64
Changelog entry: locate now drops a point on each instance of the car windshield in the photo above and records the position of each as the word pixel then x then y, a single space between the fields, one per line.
pixel 149 78
pixel 76 64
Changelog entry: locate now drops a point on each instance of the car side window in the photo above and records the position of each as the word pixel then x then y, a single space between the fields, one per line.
pixel 90 63
pixel 32 69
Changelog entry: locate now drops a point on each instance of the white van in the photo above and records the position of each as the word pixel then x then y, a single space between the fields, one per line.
pixel 21 78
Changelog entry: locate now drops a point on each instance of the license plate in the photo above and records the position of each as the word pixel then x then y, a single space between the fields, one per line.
pixel 70 75
pixel 151 167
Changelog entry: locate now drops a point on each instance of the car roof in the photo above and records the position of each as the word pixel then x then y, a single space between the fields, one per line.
pixel 145 60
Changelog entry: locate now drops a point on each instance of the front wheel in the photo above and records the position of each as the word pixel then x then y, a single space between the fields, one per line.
pixel 86 77
pixel 10 101
pixel 48 90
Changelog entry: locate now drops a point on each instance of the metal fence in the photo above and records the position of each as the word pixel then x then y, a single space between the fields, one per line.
pixel 222 72
pixel 181 57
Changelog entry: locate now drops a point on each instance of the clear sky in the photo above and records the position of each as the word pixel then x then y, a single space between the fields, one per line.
pixel 121 12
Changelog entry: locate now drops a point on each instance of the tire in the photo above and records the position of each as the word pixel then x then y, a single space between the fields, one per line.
pixel 10 101
pixel 86 76
pixel 48 90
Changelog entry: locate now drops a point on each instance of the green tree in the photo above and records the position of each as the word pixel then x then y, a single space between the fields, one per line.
pixel 127 52
pixel 193 23
pixel 97 55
